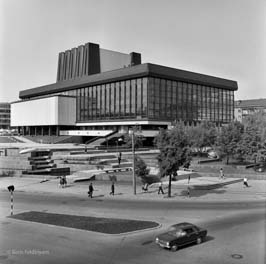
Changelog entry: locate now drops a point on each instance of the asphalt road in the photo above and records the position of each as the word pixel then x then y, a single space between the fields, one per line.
pixel 236 232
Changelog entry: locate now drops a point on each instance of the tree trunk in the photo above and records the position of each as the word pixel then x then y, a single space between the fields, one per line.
pixel 169 185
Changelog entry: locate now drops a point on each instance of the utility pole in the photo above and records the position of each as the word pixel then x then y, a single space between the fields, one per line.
pixel 133 169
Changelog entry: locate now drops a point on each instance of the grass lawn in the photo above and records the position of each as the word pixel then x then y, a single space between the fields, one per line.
pixel 96 224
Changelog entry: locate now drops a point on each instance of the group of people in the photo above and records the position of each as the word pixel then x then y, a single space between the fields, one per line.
pixel 146 185
pixel 62 181
pixel 112 192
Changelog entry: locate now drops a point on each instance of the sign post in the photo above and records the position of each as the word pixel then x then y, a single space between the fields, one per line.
pixel 11 189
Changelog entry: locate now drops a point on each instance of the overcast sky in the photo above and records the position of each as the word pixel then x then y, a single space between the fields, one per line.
pixel 223 38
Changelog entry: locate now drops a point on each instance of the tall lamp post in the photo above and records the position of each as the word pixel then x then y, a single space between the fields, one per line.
pixel 133 169
pixel 117 143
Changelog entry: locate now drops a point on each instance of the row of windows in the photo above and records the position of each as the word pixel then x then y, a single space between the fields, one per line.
pixel 5 121
pixel 3 110
pixel 186 101
pixel 4 116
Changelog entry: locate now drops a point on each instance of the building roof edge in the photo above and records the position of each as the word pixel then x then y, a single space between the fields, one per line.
pixel 137 71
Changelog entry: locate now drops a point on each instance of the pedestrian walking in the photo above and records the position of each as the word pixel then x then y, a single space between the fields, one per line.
pixel 188 179
pixel 245 182
pixel 61 182
pixel 188 192
pixel 90 192
pixel 160 190
pixel 64 181
pixel 221 173
pixel 145 187
pixel 112 189
pixel 119 157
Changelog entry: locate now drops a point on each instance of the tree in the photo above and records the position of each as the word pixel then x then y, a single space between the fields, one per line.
pixel 202 136
pixel 254 138
pixel 141 169
pixel 257 120
pixel 262 152
pixel 138 141
pixel 229 138
pixel 138 138
pixel 249 145
pixel 174 151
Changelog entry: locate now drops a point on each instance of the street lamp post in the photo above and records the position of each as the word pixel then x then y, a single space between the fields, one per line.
pixel 133 169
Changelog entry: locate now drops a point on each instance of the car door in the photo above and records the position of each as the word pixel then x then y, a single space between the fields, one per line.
pixel 191 235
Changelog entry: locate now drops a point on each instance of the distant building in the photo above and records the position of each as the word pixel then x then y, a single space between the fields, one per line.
pixel 4 115
pixel 245 108
pixel 99 92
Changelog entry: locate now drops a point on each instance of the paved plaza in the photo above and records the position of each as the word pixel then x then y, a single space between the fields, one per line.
pixel 231 192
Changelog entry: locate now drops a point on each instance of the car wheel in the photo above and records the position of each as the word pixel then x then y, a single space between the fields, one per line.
pixel 174 248
pixel 199 240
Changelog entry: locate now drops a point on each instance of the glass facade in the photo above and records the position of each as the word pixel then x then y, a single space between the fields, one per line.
pixel 150 98
pixel 117 100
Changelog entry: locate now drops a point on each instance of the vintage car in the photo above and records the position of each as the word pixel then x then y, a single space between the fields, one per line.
pixel 181 234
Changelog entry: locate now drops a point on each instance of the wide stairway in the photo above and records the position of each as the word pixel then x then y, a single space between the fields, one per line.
pixel 41 163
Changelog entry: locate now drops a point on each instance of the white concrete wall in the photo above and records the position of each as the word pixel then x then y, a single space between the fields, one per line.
pixel 66 110
pixel 54 110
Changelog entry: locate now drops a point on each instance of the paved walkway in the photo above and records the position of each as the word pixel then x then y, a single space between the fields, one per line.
pixel 232 192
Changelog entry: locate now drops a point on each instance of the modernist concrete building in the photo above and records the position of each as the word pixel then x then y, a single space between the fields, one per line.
pixel 4 115
pixel 98 92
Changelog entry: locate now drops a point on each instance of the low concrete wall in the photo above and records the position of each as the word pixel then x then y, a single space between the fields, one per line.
pixel 13 165
pixel 9 152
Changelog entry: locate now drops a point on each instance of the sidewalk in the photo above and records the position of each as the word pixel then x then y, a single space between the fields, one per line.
pixel 124 191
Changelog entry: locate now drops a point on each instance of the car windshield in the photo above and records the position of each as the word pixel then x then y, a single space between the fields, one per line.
pixel 174 230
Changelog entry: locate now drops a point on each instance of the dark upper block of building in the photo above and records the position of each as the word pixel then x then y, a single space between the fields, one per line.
pixel 90 59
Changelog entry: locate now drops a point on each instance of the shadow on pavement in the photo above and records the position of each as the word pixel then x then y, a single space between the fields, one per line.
pixel 147 192
pixel 198 193
pixel 118 194
pixel 209 238
pixel 97 196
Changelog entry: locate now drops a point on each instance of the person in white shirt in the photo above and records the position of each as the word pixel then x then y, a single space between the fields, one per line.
pixel 245 182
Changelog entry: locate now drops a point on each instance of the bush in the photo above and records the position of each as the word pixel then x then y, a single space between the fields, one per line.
pixel 141 169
